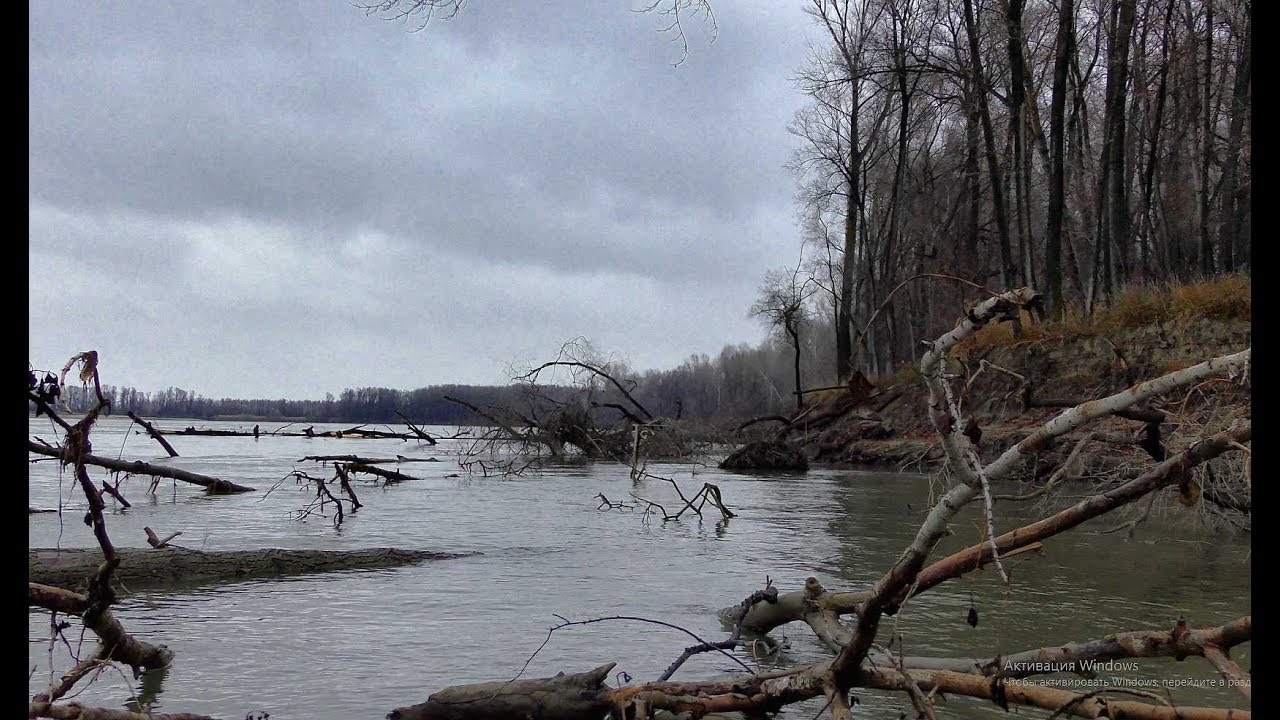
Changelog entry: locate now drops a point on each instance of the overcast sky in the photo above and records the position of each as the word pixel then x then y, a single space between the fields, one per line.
pixel 288 199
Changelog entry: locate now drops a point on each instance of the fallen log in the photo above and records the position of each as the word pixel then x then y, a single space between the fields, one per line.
pixel 388 475
pixel 563 697
pixel 137 467
pixel 76 711
pixel 115 643
pixel 365 460
pixel 143 567
pixel 214 433
pixel 355 433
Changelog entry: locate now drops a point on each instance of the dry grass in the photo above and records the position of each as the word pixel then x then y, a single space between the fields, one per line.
pixel 1223 298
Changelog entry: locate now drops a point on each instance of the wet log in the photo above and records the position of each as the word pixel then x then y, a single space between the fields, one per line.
pixel 155 434
pixel 563 697
pixel 115 643
pixel 76 711
pixel 354 433
pixel 137 467
pixel 147 567
pixel 365 460
pixel 388 475
pixel 212 433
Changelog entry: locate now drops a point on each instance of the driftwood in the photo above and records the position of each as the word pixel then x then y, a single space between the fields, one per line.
pixel 388 475
pixel 76 711
pixel 365 460
pixel 154 540
pixel 137 467
pixel 147 567
pixel 563 697
pixel 353 433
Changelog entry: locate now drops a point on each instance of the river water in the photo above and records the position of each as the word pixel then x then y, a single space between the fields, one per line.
pixel 357 644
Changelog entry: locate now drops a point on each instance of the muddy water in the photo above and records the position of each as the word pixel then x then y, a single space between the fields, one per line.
pixel 356 644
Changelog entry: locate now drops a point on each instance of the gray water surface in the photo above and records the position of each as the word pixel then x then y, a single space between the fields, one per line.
pixel 357 644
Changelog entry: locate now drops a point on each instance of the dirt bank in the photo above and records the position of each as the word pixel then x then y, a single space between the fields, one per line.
pixel 70 568
pixel 890 428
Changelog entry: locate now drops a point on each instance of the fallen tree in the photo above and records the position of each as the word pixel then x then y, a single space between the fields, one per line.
pixel 357 432
pixel 860 659
pixel 597 417
pixel 93 606
pixel 150 567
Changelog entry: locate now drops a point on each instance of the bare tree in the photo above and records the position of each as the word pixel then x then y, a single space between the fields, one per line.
pixel 781 304
pixel 421 12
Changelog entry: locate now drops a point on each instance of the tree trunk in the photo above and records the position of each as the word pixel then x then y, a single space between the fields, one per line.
pixel 795 343
pixel 1114 209
pixel 1009 271
pixel 1156 123
pixel 844 322
pixel 1228 215
pixel 1206 150
pixel 1057 174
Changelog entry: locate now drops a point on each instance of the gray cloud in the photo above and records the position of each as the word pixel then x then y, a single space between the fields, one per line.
pixel 246 200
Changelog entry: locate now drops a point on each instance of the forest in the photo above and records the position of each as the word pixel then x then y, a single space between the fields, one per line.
pixel 1085 148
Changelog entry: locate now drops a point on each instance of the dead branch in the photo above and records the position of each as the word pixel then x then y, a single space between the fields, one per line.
pixel 154 541
pixel 137 467
pixel 622 409
pixel 115 493
pixel 117 644
pixel 344 482
pixel 388 475
pixel 422 434
pixel 532 376
pixel 365 460
pixel 511 433
pixel 769 595
pixel 155 434
pixel 607 504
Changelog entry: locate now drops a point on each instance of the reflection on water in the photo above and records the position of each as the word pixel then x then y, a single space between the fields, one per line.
pixel 335 645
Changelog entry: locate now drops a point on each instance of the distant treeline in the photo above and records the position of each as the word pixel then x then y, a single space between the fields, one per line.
pixel 742 381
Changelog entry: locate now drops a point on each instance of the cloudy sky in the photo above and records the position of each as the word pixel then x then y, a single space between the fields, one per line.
pixel 287 199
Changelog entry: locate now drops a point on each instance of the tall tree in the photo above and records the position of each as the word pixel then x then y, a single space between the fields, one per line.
pixel 1064 48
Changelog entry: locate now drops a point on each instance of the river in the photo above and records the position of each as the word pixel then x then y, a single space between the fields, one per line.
pixel 357 644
